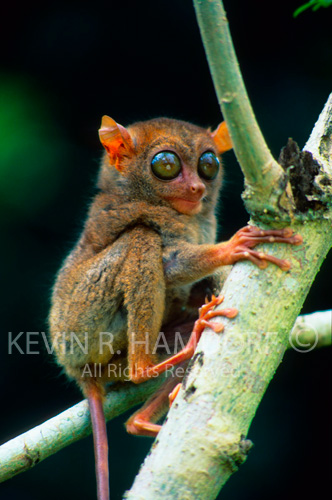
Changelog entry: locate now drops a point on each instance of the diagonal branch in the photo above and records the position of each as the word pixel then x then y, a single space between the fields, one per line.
pixel 203 440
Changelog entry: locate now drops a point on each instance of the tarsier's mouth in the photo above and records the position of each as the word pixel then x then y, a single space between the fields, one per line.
pixel 186 206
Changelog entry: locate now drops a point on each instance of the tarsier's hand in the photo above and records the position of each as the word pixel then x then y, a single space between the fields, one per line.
pixel 240 246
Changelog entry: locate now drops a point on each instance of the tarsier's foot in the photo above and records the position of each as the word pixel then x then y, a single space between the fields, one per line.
pixel 138 426
pixel 140 423
pixel 247 238
pixel 207 312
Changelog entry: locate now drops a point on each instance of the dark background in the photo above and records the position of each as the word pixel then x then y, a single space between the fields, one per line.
pixel 64 65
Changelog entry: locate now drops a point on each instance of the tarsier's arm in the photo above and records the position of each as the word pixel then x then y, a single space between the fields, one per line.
pixel 188 263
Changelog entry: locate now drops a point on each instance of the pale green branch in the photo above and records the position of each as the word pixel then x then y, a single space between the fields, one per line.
pixel 311 331
pixel 264 177
pixel 30 448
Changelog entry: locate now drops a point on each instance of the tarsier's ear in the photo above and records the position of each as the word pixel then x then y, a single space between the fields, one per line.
pixel 222 138
pixel 116 140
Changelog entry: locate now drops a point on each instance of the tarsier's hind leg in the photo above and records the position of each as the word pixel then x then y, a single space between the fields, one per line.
pixel 143 421
pixel 143 285
pixel 206 313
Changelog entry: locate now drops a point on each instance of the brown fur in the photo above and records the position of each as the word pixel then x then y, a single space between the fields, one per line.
pixel 137 260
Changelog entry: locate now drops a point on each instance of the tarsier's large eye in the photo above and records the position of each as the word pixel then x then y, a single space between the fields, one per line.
pixel 166 165
pixel 208 166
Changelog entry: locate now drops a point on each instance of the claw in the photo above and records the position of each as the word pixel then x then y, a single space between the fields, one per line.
pixel 288 232
pixel 297 239
pixel 205 314
pixel 215 301
pixel 216 327
pixel 285 265
pixel 220 299
pixel 230 313
pixel 174 393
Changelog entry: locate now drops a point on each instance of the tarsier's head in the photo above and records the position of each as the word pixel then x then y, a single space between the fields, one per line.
pixel 166 162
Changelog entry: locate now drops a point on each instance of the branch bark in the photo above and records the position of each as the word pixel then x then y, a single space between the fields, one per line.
pixel 27 450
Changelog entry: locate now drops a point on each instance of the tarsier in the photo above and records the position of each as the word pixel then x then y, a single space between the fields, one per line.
pixel 143 264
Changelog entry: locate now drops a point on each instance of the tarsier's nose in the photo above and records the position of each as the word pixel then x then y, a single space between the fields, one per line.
pixel 197 189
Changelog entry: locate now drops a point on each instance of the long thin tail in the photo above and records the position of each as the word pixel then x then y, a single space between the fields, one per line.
pixel 95 398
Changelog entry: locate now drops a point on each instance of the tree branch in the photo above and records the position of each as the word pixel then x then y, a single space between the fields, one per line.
pixel 25 451
pixel 311 331
pixel 28 449
pixel 320 144
pixel 265 179
pixel 203 440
